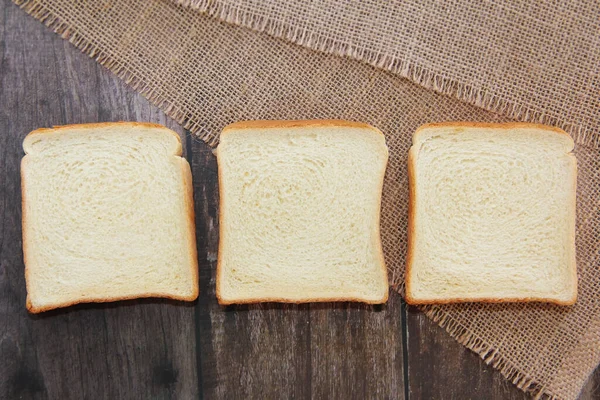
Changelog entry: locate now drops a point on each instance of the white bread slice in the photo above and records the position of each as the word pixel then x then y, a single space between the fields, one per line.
pixel 492 214
pixel 107 215
pixel 299 212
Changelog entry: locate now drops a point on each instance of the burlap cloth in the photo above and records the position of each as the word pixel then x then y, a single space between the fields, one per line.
pixel 534 62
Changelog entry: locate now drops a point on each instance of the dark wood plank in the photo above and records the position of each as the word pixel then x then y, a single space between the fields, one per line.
pixel 357 351
pixel 288 351
pixel 258 351
pixel 137 349
pixel 441 368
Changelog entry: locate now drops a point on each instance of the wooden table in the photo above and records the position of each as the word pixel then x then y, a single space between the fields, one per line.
pixel 159 349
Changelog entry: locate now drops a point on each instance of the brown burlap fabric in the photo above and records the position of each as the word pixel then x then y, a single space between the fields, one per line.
pixel 206 74
pixel 538 61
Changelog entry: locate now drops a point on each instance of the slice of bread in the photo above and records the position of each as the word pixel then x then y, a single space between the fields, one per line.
pixel 299 212
pixel 492 214
pixel 107 215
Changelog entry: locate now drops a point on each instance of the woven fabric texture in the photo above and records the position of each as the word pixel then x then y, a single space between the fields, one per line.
pixel 533 61
pixel 206 74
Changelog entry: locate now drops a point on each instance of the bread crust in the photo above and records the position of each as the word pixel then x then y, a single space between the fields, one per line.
pixel 189 205
pixel 411 237
pixel 494 125
pixel 36 310
pixel 268 124
pixel 412 159
pixel 224 302
pixel 221 227
pixel 272 124
pixel 186 173
pixel 28 304
pixel 378 224
pixel 96 125
pixel 100 125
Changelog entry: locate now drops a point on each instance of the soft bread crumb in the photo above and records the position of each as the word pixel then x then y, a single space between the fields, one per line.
pixel 107 215
pixel 299 208
pixel 492 214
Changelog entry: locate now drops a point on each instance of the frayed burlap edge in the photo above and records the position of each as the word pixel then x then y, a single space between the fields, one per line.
pixel 488 354
pixel 457 331
pixel 422 76
pixel 153 95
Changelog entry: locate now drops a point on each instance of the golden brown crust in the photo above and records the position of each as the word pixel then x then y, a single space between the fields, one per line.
pixel 188 187
pixel 412 155
pixel 191 222
pixel 411 222
pixel 100 125
pixel 224 302
pixel 573 229
pixel 290 124
pixel 570 302
pixel 497 125
pixel 378 230
pixel 24 228
pixel 36 310
pixel 268 124
pixel 221 227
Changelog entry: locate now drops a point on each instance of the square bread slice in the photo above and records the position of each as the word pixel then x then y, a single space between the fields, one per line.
pixel 492 214
pixel 108 215
pixel 299 212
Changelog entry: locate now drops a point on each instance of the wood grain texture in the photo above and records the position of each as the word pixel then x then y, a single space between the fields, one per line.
pixel 441 368
pixel 436 360
pixel 136 349
pixel 287 351
pixel 160 349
